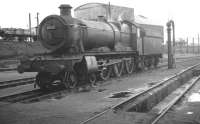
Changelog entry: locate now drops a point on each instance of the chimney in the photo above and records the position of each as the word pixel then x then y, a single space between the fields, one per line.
pixel 65 10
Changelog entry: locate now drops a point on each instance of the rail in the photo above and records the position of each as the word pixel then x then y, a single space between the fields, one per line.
pixel 169 106
pixel 129 100
pixel 16 82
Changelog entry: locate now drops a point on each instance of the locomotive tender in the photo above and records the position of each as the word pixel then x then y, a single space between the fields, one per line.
pixel 84 50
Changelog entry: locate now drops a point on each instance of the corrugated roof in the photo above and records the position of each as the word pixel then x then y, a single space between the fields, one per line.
pixel 87 5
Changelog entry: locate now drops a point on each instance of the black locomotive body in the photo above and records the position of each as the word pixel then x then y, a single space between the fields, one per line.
pixel 84 50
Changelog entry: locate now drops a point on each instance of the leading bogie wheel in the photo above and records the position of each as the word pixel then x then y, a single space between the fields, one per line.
pixel 65 80
pixel 72 80
pixel 92 79
pixel 44 81
pixel 105 73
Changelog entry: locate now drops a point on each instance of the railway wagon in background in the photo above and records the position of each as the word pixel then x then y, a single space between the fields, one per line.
pixel 17 34
pixel 90 48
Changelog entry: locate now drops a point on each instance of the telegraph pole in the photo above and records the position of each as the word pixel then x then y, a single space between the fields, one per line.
pixel 37 29
pixel 109 12
pixel 193 44
pixel 174 47
pixel 37 19
pixel 30 25
pixel 198 43
pixel 169 46
pixel 187 45
pixel 171 51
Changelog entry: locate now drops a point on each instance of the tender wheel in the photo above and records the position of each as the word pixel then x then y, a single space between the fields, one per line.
pixel 156 62
pixel 153 61
pixel 140 64
pixel 147 62
pixel 118 69
pixel 65 80
pixel 70 80
pixel 105 73
pixel 92 79
pixel 129 64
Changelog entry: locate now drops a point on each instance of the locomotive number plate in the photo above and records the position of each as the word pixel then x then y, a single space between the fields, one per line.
pixel 51 27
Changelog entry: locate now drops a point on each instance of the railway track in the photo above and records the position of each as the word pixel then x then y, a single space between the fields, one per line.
pixel 174 101
pixel 34 94
pixel 21 96
pixel 179 60
pixel 131 104
pixel 17 82
pixel 37 95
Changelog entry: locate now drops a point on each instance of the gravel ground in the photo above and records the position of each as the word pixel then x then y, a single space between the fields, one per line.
pixel 73 108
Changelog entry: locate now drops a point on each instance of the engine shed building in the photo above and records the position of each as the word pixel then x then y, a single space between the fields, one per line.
pixel 91 11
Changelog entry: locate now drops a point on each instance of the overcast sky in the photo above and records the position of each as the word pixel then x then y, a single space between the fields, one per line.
pixel 185 13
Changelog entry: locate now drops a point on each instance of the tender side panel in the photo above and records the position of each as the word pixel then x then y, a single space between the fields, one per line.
pixel 153 39
pixel 152 45
pixel 153 30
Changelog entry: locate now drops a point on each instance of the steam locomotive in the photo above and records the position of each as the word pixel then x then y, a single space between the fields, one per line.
pixel 82 50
